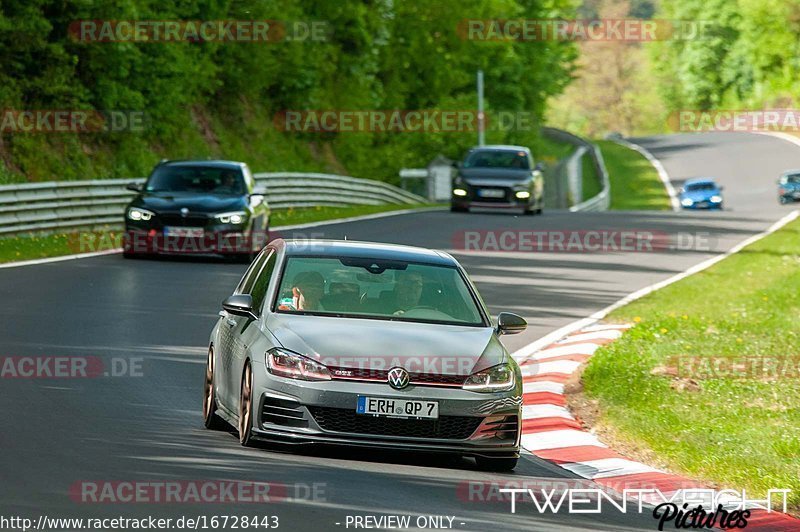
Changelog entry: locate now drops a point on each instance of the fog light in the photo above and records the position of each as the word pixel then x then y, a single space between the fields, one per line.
pixel 523 194
pixel 459 192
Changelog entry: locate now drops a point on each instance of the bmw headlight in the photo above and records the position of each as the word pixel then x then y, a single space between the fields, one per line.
pixel 285 363
pixel 495 379
pixel 136 214
pixel 716 199
pixel 234 218
pixel 686 202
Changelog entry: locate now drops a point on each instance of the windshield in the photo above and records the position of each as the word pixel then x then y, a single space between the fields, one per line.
pixel 393 290
pixel 792 178
pixel 497 159
pixel 205 179
pixel 701 186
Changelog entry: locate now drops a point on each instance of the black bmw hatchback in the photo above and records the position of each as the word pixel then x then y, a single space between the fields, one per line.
pixel 197 207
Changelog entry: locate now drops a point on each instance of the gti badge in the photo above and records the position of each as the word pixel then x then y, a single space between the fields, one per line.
pixel 184 212
pixel 398 378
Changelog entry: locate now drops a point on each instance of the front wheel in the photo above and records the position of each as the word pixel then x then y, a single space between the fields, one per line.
pixel 497 465
pixel 210 418
pixel 458 208
pixel 246 408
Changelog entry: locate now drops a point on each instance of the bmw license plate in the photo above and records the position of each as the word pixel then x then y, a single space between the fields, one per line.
pixel 191 232
pixel 405 408
pixel 491 193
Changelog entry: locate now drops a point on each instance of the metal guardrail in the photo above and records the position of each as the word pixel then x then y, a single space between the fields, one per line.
pixel 602 201
pixel 67 205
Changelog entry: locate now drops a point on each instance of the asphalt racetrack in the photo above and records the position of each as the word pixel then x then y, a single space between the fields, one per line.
pixel 59 434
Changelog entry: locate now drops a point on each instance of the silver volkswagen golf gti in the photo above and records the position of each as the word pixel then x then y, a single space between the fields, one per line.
pixel 354 343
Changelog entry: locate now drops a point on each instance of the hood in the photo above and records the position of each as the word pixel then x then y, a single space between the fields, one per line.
pixel 700 195
pixel 498 177
pixel 196 203
pixel 382 344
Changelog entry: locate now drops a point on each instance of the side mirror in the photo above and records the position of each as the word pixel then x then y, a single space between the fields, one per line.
pixel 240 305
pixel 540 167
pixel 133 187
pixel 508 323
pixel 721 189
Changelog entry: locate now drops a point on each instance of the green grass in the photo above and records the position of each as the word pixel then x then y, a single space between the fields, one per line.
pixel 29 247
pixel 634 182
pixel 591 185
pixel 736 432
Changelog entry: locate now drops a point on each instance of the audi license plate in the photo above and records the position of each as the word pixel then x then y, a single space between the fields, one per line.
pixel 405 408
pixel 191 232
pixel 491 193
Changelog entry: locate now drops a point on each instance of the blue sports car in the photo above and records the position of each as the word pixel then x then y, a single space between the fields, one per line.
pixel 701 193
pixel 789 187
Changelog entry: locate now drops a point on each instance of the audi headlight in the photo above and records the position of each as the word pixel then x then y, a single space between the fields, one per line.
pixel 285 363
pixel 687 202
pixel 459 192
pixel 495 379
pixel 523 194
pixel 136 214
pixel 234 218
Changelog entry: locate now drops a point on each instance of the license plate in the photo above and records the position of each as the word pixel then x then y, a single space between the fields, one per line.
pixel 404 408
pixel 491 193
pixel 193 232
pixel 703 204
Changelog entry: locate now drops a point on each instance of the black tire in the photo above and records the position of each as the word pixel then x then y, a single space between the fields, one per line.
pixel 246 407
pixel 210 418
pixel 458 208
pixel 498 465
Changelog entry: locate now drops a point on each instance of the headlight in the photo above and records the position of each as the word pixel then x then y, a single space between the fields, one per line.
pixel 523 194
pixel 495 379
pixel 230 217
pixel 686 202
pixel 459 192
pixel 285 363
pixel 716 199
pixel 135 213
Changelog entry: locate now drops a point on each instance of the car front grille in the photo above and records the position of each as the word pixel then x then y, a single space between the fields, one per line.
pixel 344 420
pixel 184 221
pixel 382 375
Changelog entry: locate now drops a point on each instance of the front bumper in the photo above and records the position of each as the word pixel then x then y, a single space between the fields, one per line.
pixel 151 241
pixel 469 423
pixel 507 200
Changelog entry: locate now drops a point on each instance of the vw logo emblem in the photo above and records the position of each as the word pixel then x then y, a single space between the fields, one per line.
pixel 184 212
pixel 398 378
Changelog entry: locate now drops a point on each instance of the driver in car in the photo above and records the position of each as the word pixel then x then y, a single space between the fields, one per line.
pixel 307 291
pixel 407 291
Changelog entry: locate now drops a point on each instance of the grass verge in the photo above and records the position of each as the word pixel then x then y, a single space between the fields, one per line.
pixel 590 185
pixel 709 379
pixel 29 247
pixel 634 182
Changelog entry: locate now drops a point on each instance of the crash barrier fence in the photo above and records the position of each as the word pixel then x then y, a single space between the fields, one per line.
pixel 566 177
pixel 71 205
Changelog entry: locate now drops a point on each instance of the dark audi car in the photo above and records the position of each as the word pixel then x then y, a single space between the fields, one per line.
pixel 197 207
pixel 353 343
pixel 498 176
